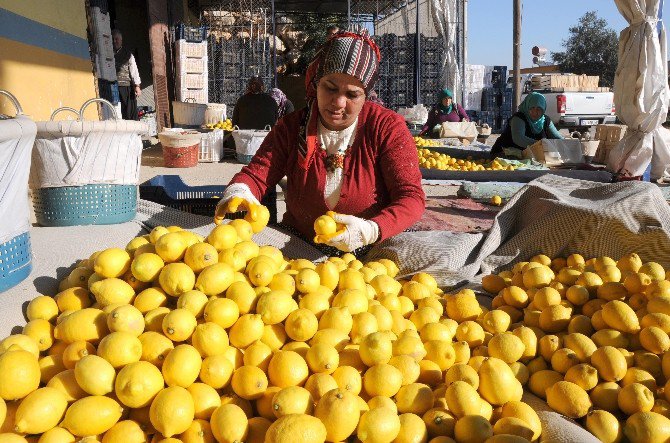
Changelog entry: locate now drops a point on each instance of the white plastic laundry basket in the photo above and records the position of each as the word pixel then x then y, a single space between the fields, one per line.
pixel 247 142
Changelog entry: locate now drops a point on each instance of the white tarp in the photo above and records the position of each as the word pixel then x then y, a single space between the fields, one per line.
pixel 16 143
pixel 77 153
pixel 641 91
pixel 445 17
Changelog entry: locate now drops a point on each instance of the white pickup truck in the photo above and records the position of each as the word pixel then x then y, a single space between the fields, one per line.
pixel 577 110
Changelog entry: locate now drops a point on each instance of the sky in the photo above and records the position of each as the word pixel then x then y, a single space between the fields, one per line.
pixel 545 23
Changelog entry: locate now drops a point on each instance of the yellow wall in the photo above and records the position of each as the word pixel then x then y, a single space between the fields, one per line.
pixel 43 79
pixel 67 15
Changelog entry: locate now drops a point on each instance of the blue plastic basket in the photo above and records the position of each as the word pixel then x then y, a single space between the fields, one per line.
pixel 171 191
pixel 99 204
pixel 245 159
pixel 15 261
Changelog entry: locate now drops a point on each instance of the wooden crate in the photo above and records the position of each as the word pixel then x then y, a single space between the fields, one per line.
pixel 566 82
pixel 610 133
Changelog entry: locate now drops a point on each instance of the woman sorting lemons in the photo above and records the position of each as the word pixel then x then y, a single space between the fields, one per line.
pixel 527 126
pixel 340 153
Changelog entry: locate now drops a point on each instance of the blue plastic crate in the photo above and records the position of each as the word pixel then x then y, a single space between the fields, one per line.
pixel 194 34
pixel 171 191
pixel 15 261
pixel 98 204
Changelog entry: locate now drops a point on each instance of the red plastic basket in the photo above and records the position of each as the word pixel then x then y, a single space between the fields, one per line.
pixel 186 157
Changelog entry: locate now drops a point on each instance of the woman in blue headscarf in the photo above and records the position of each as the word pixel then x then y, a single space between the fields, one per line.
pixel 445 111
pixel 527 126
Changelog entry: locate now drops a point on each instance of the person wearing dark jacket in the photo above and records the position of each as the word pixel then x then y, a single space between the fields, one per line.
pixel 445 111
pixel 128 77
pixel 527 126
pixel 255 109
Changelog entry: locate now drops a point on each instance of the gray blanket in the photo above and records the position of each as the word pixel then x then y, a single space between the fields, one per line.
pixel 552 215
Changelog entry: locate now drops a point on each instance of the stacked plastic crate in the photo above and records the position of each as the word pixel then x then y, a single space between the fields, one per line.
pixel 496 99
pixel 105 68
pixel 396 76
pixel 192 65
pixel 232 62
pixel 432 55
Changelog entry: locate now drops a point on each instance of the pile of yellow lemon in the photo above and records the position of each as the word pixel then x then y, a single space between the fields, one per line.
pixel 226 125
pixel 434 160
pixel 590 337
pixel 426 142
pixel 177 337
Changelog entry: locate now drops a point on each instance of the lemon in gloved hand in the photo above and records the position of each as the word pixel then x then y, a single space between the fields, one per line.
pixel 326 227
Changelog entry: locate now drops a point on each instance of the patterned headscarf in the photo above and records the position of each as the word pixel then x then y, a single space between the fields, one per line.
pixel 444 94
pixel 281 100
pixel 349 52
pixel 534 100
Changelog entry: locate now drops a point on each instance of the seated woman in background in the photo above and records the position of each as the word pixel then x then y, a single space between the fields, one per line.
pixel 445 111
pixel 284 104
pixel 255 109
pixel 527 126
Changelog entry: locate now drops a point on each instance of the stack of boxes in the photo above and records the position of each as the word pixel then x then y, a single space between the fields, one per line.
pixel 192 65
pixel 496 106
pixel 396 71
pixel 105 67
pixel 232 62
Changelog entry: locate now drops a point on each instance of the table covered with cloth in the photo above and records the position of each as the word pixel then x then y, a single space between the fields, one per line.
pixel 551 215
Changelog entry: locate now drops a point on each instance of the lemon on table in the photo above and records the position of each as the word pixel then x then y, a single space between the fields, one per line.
pixel 172 411
pixel 294 428
pixel 75 352
pixel 137 384
pixel 496 200
pixel 155 347
pixel 128 431
pixel 92 416
pixel 229 424
pixel 19 341
pixel 176 278
pixel 224 311
pixel 40 411
pixel 194 301
pixel 223 237
pixel 147 267
pixel 179 324
pixel 120 349
pixel 126 318
pixel 95 375
pixel 201 255
pixel 20 374
pixel 112 262
pixel 42 307
pixel 181 366
pixel 378 425
pixel 171 247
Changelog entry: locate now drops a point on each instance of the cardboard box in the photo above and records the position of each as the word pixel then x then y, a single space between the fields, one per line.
pixel 556 152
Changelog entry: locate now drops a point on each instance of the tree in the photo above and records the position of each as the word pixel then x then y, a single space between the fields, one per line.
pixel 590 49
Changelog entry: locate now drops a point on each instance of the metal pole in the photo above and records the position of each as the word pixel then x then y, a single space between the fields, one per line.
pixel 348 13
pixel 274 45
pixel 516 96
pixel 417 59
pixel 465 47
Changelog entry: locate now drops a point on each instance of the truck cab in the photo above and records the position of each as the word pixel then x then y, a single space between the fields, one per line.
pixel 576 110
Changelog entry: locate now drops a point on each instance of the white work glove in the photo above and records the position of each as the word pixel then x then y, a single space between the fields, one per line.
pixel 236 197
pixel 358 233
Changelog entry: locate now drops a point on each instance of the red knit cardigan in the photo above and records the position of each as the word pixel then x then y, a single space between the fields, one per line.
pixel 381 180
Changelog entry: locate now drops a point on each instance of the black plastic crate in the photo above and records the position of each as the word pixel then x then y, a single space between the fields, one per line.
pixel 194 34
pixel 171 191
pixel 401 69
pixel 430 70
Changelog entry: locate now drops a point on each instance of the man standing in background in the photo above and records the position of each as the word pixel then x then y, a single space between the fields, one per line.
pixel 128 77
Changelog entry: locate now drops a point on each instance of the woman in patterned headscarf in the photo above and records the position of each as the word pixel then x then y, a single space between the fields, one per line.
pixel 527 126
pixel 285 105
pixel 445 111
pixel 340 153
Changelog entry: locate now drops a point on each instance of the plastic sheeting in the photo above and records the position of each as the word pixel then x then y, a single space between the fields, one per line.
pixel 445 15
pixel 77 153
pixel 16 143
pixel 641 92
